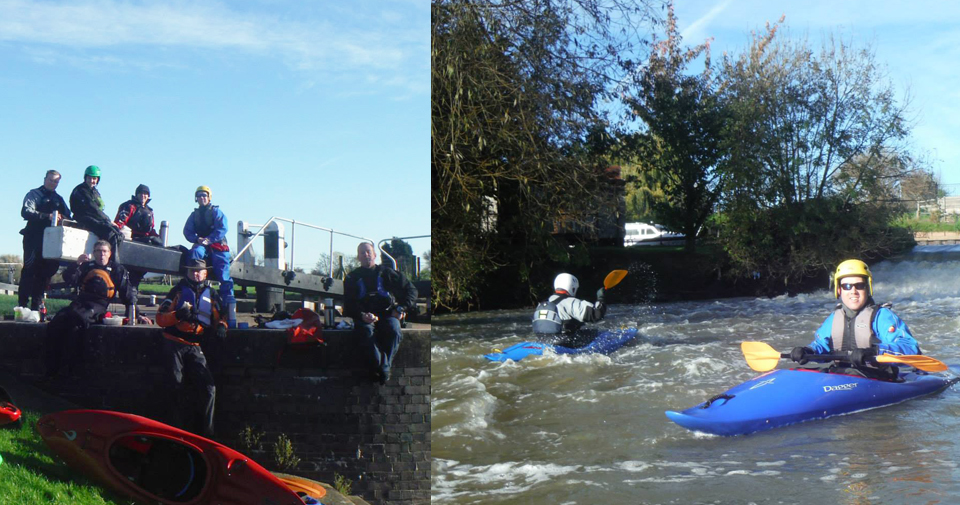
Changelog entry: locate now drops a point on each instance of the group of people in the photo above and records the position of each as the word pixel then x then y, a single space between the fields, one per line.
pixel 205 229
pixel 194 316
pixel 858 328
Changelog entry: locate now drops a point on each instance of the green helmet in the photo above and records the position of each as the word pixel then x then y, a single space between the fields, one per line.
pixel 92 171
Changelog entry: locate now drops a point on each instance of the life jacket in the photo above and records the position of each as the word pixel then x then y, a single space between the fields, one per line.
pixel 139 218
pixel 547 321
pixel 862 327
pixel 98 283
pixel 204 220
pixel 202 308
pixel 376 302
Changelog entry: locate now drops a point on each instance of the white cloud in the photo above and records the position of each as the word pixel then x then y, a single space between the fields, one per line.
pixel 341 43
pixel 696 28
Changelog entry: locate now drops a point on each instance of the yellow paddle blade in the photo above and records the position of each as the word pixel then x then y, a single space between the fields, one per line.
pixel 925 363
pixel 760 357
pixel 613 278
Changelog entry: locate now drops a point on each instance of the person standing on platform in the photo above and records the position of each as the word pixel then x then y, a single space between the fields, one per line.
pixel 191 320
pixel 39 207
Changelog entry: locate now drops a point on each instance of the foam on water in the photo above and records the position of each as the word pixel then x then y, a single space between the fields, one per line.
pixel 536 431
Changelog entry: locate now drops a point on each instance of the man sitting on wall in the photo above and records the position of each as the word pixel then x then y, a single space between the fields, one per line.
pixel 137 215
pixel 87 206
pixel 100 281
pixel 377 298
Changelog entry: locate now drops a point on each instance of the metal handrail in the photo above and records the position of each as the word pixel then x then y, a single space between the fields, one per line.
pixel 384 251
pixel 263 227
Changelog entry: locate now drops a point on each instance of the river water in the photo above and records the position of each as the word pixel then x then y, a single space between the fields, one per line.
pixel 591 429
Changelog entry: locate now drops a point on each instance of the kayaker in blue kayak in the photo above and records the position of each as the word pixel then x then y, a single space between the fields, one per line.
pixel 859 325
pixel 559 320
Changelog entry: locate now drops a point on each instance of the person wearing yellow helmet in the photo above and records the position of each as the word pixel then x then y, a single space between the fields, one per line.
pixel 206 229
pixel 858 325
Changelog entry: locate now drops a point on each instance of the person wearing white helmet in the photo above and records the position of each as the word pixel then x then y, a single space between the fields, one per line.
pixel 560 318
pixel 858 325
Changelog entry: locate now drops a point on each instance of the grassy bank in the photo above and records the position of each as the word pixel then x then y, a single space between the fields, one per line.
pixel 30 474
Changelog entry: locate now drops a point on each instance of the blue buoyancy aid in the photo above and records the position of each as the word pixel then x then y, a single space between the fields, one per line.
pixel 203 310
pixel 378 301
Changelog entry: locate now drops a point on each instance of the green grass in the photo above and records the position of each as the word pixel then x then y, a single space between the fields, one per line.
pixel 31 474
pixel 8 302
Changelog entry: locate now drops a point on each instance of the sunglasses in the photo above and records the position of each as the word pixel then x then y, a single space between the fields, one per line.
pixel 846 286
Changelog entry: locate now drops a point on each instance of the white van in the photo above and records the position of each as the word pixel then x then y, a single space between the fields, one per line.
pixel 637 233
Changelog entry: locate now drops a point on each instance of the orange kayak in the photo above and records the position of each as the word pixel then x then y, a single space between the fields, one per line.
pixel 153 462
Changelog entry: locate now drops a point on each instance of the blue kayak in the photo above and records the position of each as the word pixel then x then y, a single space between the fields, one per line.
pixel 605 343
pixel 784 397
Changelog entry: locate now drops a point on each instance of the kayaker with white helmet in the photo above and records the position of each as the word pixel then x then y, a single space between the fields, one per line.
pixel 859 325
pixel 559 319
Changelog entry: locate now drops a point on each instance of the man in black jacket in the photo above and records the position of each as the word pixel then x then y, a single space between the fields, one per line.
pixel 87 206
pixel 137 215
pixel 377 298
pixel 99 281
pixel 39 206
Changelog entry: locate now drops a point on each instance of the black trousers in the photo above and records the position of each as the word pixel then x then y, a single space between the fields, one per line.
pixel 64 341
pixel 188 362
pixel 36 272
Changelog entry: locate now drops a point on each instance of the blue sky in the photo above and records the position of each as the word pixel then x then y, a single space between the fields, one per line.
pixel 917 41
pixel 314 111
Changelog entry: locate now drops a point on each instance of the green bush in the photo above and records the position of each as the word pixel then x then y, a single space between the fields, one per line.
pixel 283 454
pixel 342 484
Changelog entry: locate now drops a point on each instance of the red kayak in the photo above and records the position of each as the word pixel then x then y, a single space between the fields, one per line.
pixel 153 462
pixel 9 413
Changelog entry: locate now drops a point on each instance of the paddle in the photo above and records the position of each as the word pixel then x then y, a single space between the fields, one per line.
pixel 613 278
pixel 761 357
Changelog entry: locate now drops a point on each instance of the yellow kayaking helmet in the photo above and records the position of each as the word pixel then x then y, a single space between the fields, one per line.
pixel 204 189
pixel 848 268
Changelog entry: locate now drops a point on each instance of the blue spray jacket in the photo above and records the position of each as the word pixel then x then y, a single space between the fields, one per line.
pixel 206 222
pixel 894 336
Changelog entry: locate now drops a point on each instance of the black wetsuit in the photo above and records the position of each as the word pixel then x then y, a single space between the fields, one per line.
pixel 36 272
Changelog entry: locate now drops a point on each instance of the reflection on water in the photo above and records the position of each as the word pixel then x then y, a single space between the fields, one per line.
pixel 591 429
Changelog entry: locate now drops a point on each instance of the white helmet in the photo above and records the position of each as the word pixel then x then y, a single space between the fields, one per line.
pixel 566 282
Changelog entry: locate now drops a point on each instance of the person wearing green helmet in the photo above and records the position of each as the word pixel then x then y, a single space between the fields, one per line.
pixel 859 326
pixel 87 206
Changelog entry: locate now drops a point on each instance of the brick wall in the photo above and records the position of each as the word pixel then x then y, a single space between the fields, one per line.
pixel 321 397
